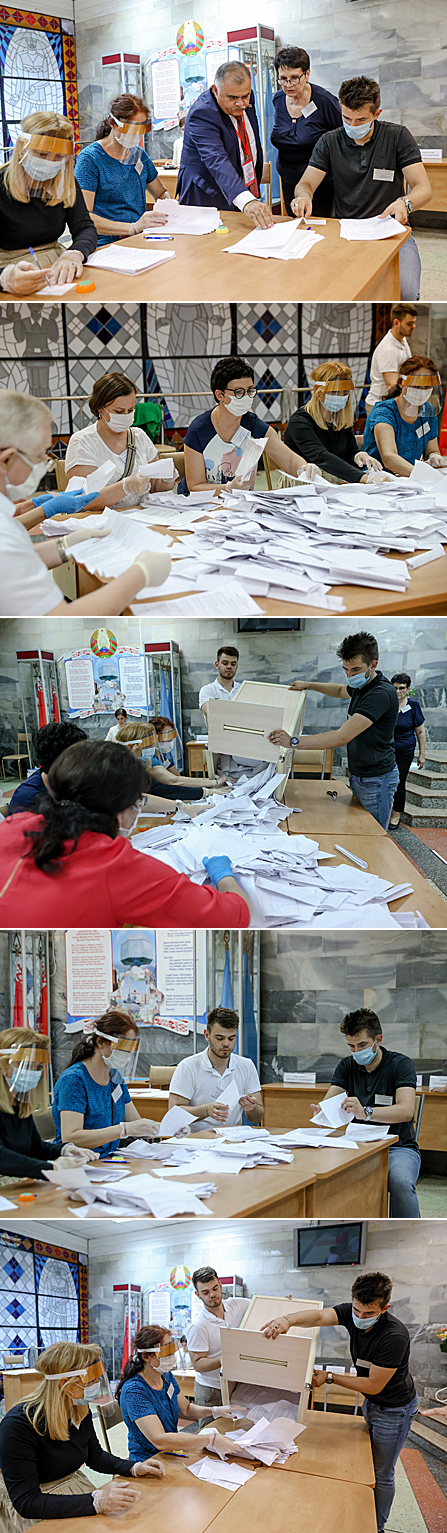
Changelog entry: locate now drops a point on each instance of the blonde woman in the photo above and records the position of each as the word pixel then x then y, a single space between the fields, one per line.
pixel 39 196
pixel 322 430
pixel 24 1068
pixel 47 1438
pixel 141 738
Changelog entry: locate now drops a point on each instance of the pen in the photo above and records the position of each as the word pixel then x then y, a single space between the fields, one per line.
pixel 159 236
pixel 41 268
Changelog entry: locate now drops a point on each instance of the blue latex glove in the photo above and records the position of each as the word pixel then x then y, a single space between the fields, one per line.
pixel 67 502
pixel 217 868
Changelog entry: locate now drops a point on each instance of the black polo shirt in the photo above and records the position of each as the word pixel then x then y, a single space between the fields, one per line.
pixel 372 754
pixel 366 177
pixel 386 1345
pixel 371 1086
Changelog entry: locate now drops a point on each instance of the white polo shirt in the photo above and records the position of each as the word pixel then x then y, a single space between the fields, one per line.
pixel 215 689
pixel 27 588
pixel 196 1079
pixel 203 1335
pixel 237 766
pixel 387 358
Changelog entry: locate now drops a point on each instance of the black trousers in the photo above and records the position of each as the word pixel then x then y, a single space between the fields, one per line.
pixel 403 762
pixel 321 202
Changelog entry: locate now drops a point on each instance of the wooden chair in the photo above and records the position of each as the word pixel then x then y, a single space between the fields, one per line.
pixel 307 763
pixel 165 450
pixel 283 205
pixel 61 474
pixel 111 1420
pixel 45 1123
pixel 18 755
pixel 161 1075
pixel 267 471
pixel 267 180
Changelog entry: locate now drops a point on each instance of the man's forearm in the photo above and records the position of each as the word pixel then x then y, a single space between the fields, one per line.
pixel 324 741
pixel 304 188
pixel 329 688
pixel 355 1383
pixel 207 1364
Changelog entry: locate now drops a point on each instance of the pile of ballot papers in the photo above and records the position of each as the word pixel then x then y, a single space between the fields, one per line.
pixel 270 1441
pixel 228 1476
pixel 281 875
pixel 131 1195
pixel 282 242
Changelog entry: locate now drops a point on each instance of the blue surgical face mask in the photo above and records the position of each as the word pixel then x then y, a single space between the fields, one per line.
pixel 358 131
pixel 364 1325
pixel 365 1056
pixel 24 1080
pixel 358 681
pixel 335 402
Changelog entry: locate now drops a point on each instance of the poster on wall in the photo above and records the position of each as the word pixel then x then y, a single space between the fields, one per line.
pixel 166 90
pixel 104 675
pixel 159 1305
pixel 153 978
pixel 88 960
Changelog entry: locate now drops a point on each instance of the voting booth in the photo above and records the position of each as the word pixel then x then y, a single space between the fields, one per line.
pixel 283 1364
pixel 242 727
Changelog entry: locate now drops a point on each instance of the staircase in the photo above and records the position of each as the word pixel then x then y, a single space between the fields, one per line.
pixel 433 1434
pixel 426 795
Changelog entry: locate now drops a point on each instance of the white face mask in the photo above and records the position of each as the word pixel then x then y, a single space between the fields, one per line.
pixel 238 407
pixel 335 402
pixel 119 422
pixel 418 396
pixel 42 170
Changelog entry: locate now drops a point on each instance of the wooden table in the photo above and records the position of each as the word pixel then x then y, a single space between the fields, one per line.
pixel 288 1107
pixel 150 1103
pixel 340 1183
pixel 437 174
pixel 388 861
pixel 333 1453
pixel 321 814
pixel 333 270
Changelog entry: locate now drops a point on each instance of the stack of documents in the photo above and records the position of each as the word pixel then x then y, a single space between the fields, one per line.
pixel 182 219
pixel 370 228
pixel 229 1476
pixel 133 1194
pixel 129 260
pixel 270 1441
pixel 285 242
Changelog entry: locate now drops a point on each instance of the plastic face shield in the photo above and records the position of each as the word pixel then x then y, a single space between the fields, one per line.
pixel 27 1071
pixel 420 383
pixel 129 135
pixel 166 1356
pixel 45 158
pixel 124 1056
pixel 338 385
pixel 96 1383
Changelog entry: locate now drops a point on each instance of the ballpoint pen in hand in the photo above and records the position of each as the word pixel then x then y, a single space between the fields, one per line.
pixel 41 268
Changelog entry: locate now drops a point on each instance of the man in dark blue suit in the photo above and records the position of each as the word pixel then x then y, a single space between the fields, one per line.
pixel 222 158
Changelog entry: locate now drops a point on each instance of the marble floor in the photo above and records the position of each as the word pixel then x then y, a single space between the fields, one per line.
pixel 432 246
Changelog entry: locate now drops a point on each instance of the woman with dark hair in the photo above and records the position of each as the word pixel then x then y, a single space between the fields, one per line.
pixel 302 113
pixel 72 862
pixel 151 1401
pixel 214 443
pixel 115 173
pixel 112 437
pixel 92 1106
pixel 409 727
pixel 402 428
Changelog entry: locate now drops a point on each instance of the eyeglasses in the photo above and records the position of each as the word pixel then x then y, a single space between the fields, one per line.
pixel 292 80
pixel 242 393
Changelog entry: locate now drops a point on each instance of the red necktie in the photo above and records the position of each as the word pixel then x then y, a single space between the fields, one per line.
pixel 252 186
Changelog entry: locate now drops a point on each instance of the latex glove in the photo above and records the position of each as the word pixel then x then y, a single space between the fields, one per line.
pixel 137 484
pixel 21 278
pixel 363 460
pixel 156 566
pixel 71 1163
pixel 66 269
pixel 217 868
pixel 372 477
pixel 66 503
pixel 243 484
pixel 77 1155
pixel 149 1466
pixel 259 214
pixel 84 531
pixel 141 1128
pixel 116 1499
pixel 437 461
pixel 225 1410
pixel 150 220
pixel 311 471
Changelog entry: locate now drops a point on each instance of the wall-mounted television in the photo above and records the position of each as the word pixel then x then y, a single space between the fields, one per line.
pixel 269 624
pixel 330 1245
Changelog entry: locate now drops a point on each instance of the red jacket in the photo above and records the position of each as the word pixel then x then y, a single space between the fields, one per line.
pixel 103 883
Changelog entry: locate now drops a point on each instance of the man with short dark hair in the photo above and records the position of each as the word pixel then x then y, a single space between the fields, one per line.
pixel 222 158
pixel 369 729
pixel 381 1088
pixel 391 351
pixel 203 1335
pixel 380 1351
pixel 199 1079
pixel 371 164
pixel 50 741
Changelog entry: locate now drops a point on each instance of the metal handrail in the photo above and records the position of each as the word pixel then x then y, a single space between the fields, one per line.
pixel 81 399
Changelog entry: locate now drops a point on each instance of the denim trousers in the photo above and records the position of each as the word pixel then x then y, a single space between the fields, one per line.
pixel 410 270
pixel 388 1431
pixel 377 794
pixel 405 1165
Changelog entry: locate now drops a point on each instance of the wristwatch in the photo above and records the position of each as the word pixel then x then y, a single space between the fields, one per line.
pixel 330 1378
pixel 294 739
pixel 64 556
pixel 368 1111
pixel 409 204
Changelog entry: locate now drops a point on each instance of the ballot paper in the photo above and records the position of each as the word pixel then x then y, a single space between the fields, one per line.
pixel 143 1194
pixel 230 1096
pixel 252 452
pixel 109 556
pixel 159 468
pixel 270 1441
pixel 54 289
pixel 365 1133
pixel 229 1476
pixel 370 228
pixel 184 219
pixel 331 1113
pixel 175 1119
pixel 105 474
pixel 285 242
pixel 5 1205
pixel 129 260
pixel 230 600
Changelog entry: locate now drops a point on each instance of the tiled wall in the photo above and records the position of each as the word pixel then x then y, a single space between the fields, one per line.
pixel 399 44
pixel 414 1254
pixel 413 644
pixel 308 984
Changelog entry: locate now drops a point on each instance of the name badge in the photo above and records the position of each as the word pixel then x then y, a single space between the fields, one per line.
pixel 117 1093
pixel 382 175
pixel 361 1363
pixel 425 428
pixel 385 1101
pixel 139 165
pixel 170 1391
pixel 306 111
pixel 249 172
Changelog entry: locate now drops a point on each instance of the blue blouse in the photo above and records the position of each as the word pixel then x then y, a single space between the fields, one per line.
pixel 412 437
pixel 75 1091
pixel 120 189
pixel 295 138
pixel 138 1399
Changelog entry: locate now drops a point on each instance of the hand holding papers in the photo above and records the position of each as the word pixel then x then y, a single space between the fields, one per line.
pixel 174 1120
pixel 270 1441
pixel 331 1113
pixel 285 241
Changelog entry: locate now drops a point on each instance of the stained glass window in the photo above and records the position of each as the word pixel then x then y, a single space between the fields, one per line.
pixel 43 1294
pixel 37 69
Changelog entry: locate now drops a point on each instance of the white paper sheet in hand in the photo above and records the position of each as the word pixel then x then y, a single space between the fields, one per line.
pixel 330 1112
pixel 183 219
pixel 105 474
pixel 159 468
pixel 108 557
pixel 175 1119
pixel 230 1096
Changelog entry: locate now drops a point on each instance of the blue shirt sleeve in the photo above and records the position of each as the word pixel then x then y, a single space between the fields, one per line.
pixel 71 1092
pixel 87 169
pixel 418 716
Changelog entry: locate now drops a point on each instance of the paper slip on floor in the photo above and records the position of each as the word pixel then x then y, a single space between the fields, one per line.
pixel 128 260
pixel 229 1476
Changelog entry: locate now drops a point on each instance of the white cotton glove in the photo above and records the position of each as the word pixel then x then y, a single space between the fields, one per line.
pixel 84 531
pixel 149 1466
pixel 155 565
pixel 437 461
pixel 77 1156
pixel 116 1499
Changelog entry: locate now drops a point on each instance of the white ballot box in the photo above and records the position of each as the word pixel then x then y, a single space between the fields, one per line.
pixel 242 727
pixel 285 1363
pixel 274 695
